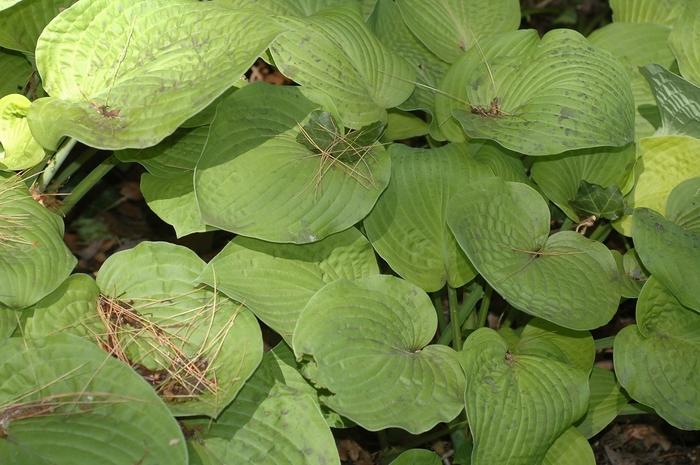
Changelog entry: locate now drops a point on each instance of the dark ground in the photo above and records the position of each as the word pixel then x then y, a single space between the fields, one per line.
pixel 117 218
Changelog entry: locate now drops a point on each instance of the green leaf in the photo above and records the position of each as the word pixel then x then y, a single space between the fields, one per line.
pixel 450 27
pixel 365 345
pixel 683 205
pixel 296 8
pixel 635 45
pixel 408 226
pixel 504 163
pixel 168 188
pixel 14 73
pixel 18 149
pixel 33 258
pixel 571 448
pixel 565 278
pixel 256 179
pixel 684 41
pixel 9 319
pixel 402 125
pixel 271 421
pixel 670 253
pixel 69 403
pixel 525 400
pixel 647 11
pixel 656 359
pixel 561 86
pixel 604 404
pixel 70 309
pixel 127 73
pixel 678 101
pixel 544 339
pixel 197 347
pixel 335 53
pixel 277 280
pixel 663 163
pixel 21 23
pixel 561 176
pixel 417 457
pixel 632 273
pixel 602 202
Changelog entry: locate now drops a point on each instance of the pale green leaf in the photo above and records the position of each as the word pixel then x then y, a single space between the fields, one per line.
pixel 647 11
pixel 334 52
pixel 127 73
pixel 504 163
pixel 33 257
pixel 566 278
pixel 560 176
pixel 403 125
pixel 684 41
pixel 683 205
pixel 571 448
pixel 21 23
pixel 656 360
pixel 408 226
pixel 69 403
pixel 417 457
pixel 277 280
pixel 256 178
pixel 523 400
pixel 544 339
pixel 18 149
pixel 561 93
pixel 632 273
pixel 604 404
pixel 365 344
pixel 678 100
pixel 9 319
pixel 14 72
pixel 201 346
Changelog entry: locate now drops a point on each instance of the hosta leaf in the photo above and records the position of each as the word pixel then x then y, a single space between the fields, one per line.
pixel 635 45
pixel 401 125
pixel 14 73
pixel 408 226
pixel 683 205
pixel 197 347
pixel 256 179
pixel 678 100
pixel 417 457
pixel 277 280
pixel 684 41
pixel 562 86
pixel 565 278
pixel 449 27
pixel 504 163
pixel 671 253
pixel 33 258
pixel 71 308
pixel 271 421
pixel 542 338
pixel 9 319
pixel 647 11
pixel 69 403
pixel 571 448
pixel 389 27
pixel 664 163
pixel 561 176
pixel 656 359
pixel 335 52
pixel 602 202
pixel 300 8
pixel 21 23
pixel 127 73
pixel 604 404
pixel 18 149
pixel 365 343
pixel 520 399
pixel 632 273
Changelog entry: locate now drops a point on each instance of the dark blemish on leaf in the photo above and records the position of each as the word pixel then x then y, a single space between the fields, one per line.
pixel 494 110
pixel 509 358
pixel 566 113
pixel 659 227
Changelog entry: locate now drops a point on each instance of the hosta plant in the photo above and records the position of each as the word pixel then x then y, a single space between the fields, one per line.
pixel 429 230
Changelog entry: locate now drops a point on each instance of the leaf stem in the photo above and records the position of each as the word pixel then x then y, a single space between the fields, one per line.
pixel 440 310
pixel 604 343
pixel 87 183
pixel 71 168
pixel 465 311
pixel 454 318
pixel 484 307
pixel 601 232
pixel 55 163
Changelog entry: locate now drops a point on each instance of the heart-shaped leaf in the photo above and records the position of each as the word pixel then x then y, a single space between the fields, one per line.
pixel 678 101
pixel 273 420
pixel 408 225
pixel 365 345
pixel 194 346
pixel 565 278
pixel 544 339
pixel 334 52
pixel 257 179
pixel 647 11
pixel 127 73
pixel 656 359
pixel 15 71
pixel 22 21
pixel 561 176
pixel 66 402
pixel 526 400
pixel 599 201
pixel 33 257
pixel 684 41
pixel 604 404
pixel 571 448
pixel 561 86
pixel 18 149
pixel 449 27
pixel 277 280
